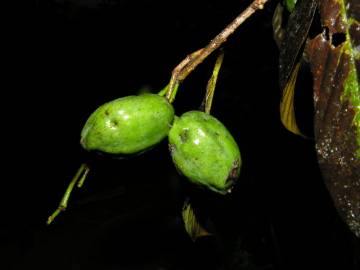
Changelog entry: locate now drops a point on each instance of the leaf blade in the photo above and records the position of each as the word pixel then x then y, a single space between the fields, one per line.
pixel 287 110
pixel 192 225
pixel 335 66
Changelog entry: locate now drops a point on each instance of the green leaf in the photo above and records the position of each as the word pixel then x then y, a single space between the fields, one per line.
pixel 290 5
pixel 287 111
pixel 192 225
pixel 335 65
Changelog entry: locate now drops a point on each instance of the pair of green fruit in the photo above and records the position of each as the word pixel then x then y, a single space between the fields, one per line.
pixel 201 147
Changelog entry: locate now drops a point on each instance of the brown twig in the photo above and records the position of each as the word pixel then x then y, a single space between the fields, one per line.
pixel 186 66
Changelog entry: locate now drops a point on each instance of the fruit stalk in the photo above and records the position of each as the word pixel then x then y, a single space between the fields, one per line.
pixel 193 60
pixel 210 88
pixel 79 178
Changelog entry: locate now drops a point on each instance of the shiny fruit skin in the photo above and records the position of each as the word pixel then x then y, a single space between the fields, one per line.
pixel 128 125
pixel 204 151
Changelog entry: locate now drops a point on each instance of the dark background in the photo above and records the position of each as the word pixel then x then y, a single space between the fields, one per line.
pixel 69 57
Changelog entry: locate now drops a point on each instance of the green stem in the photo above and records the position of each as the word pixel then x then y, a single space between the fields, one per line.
pixel 173 95
pixel 82 171
pixel 210 89
pixel 82 179
pixel 163 91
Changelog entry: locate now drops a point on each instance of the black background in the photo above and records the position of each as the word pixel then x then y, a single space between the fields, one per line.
pixel 69 57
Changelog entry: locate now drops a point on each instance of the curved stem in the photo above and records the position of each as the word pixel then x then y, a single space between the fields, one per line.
pixel 174 81
pixel 186 66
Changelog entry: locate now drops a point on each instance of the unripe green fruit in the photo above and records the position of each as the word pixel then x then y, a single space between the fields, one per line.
pixel 128 125
pixel 204 151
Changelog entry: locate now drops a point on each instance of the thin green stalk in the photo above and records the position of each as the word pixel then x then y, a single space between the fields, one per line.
pixel 210 89
pixel 80 174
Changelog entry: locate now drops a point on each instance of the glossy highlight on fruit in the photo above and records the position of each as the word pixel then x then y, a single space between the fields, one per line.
pixel 205 151
pixel 128 125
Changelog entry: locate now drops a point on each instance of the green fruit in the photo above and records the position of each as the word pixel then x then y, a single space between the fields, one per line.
pixel 204 151
pixel 128 125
